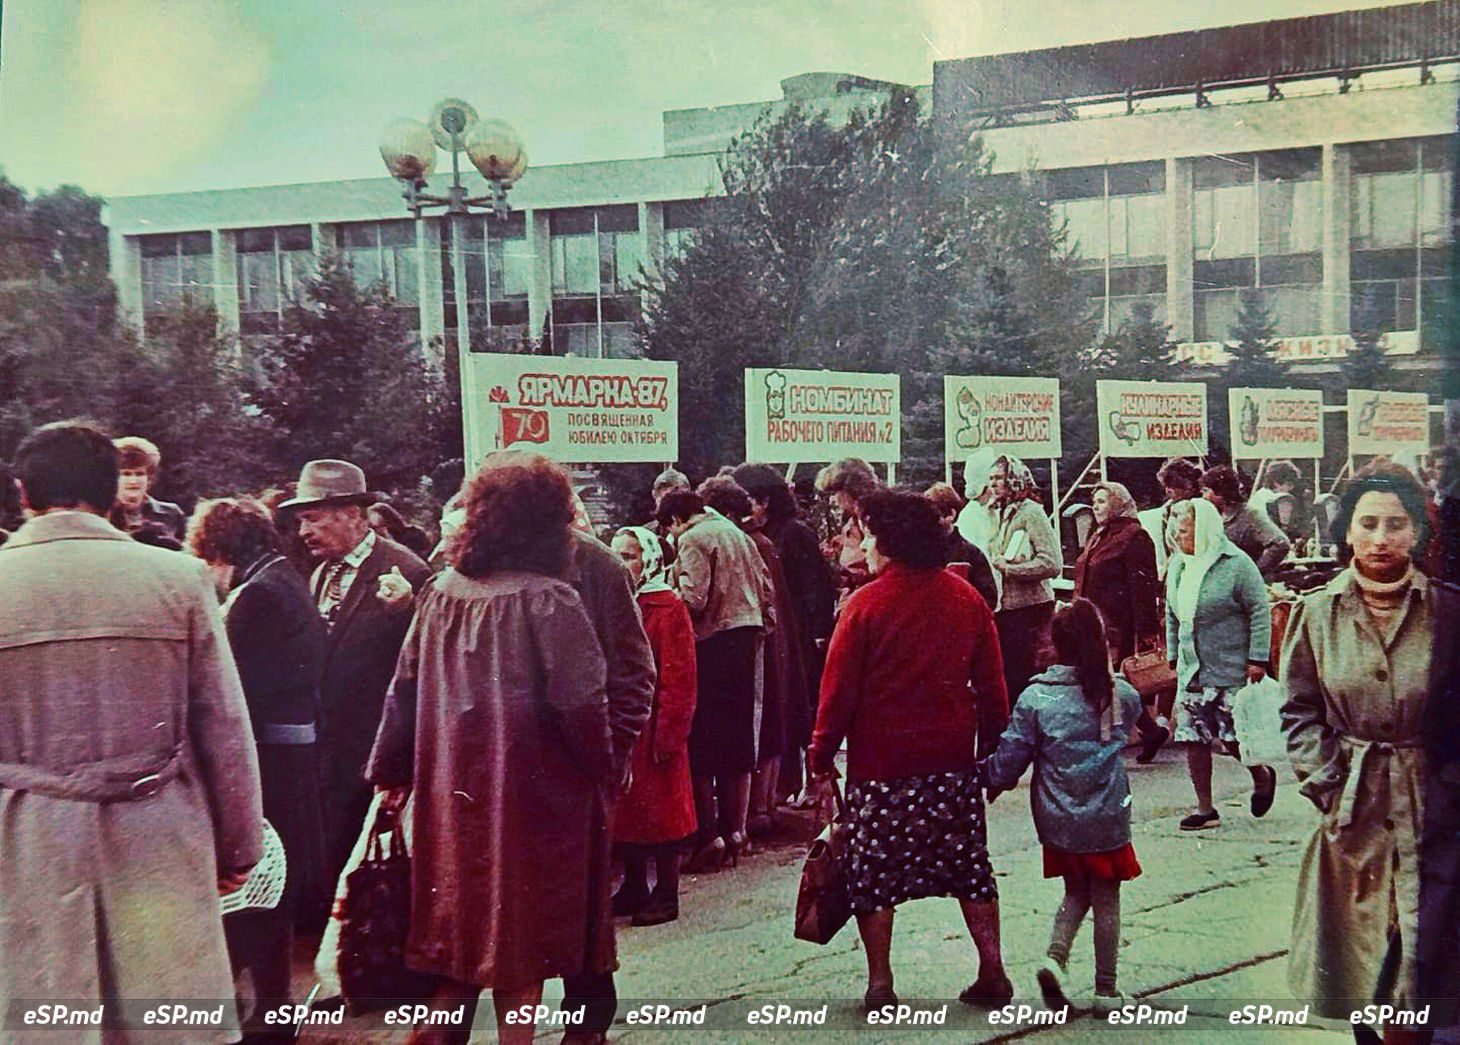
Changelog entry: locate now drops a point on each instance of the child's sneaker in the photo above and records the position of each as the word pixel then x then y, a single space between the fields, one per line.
pixel 1104 1004
pixel 1051 979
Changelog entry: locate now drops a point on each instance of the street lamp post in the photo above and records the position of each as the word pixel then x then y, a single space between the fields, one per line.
pixel 408 148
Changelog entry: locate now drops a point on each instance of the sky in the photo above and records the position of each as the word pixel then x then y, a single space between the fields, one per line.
pixel 129 97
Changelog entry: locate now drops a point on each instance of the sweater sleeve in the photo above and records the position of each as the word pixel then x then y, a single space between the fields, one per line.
pixel 1045 559
pixel 1251 595
pixel 841 689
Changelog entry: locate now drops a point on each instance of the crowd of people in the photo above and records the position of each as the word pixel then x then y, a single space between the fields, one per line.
pixel 574 723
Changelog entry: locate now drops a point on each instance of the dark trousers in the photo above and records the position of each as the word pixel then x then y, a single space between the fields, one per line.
pixel 594 992
pixel 1023 641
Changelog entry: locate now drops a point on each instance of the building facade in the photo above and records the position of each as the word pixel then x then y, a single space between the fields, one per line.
pixel 1311 160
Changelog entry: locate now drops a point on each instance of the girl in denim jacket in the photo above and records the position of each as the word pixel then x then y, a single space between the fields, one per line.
pixel 1071 724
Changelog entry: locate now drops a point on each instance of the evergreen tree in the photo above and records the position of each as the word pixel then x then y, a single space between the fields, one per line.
pixel 859 247
pixel 346 378
pixel 1253 347
pixel 1366 365
pixel 185 390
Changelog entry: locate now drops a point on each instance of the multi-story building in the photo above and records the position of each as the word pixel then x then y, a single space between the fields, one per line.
pixel 564 263
pixel 1310 159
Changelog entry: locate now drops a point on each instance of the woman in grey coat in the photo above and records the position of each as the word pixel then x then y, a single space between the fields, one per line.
pixel 1218 620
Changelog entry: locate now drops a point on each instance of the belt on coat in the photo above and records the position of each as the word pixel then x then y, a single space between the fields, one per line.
pixel 1359 750
pixel 291 734
pixel 124 778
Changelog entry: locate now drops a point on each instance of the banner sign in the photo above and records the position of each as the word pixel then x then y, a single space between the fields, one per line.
pixel 578 411
pixel 1020 414
pixel 1276 422
pixel 1152 418
pixel 793 416
pixel 1388 422
pixel 1299 349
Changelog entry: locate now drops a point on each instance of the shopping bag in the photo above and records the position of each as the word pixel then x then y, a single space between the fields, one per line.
pixel 1150 673
pixel 327 957
pixel 375 919
pixel 1257 720
pixel 824 903
pixel 265 886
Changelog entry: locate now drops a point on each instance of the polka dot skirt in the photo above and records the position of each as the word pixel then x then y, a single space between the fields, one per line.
pixel 917 837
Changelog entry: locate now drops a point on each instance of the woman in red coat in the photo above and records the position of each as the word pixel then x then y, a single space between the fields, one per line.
pixel 657 813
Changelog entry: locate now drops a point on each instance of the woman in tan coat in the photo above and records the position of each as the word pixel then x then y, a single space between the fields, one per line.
pixel 1356 669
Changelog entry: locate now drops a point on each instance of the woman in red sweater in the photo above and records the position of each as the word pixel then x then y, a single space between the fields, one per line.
pixel 657 813
pixel 914 683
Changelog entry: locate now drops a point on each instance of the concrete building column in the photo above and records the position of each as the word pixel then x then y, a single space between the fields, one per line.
pixel 540 285
pixel 432 295
pixel 325 238
pixel 225 279
pixel 1180 310
pixel 126 266
pixel 1337 231
pixel 651 227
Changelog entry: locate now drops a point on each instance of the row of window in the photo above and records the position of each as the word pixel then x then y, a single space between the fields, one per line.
pixel 1257 221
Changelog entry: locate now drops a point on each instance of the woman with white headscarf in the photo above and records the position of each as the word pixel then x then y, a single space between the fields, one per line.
pixel 657 813
pixel 1025 555
pixel 1218 625
pixel 977 519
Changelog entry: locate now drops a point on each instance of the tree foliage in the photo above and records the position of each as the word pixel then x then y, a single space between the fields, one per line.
pixel 860 247
pixel 346 378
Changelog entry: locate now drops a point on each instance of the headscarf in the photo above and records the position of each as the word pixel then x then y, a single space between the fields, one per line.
pixel 1021 479
pixel 1210 542
pixel 655 574
pixel 976 471
pixel 1122 504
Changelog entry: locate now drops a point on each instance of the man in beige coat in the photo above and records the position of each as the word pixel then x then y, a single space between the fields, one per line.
pixel 129 789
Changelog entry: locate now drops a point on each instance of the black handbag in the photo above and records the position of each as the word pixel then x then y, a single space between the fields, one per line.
pixel 375 920
pixel 824 903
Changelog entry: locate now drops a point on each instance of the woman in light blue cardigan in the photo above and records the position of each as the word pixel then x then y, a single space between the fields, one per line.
pixel 1219 622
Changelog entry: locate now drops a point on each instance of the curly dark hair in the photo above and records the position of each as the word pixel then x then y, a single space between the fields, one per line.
pixel 907 527
pixel 1382 477
pixel 1224 481
pixel 519 514
pixel 766 485
pixel 1178 471
pixel 726 496
pixel 237 531
pixel 677 506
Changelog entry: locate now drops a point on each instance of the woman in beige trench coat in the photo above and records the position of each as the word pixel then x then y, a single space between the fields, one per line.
pixel 1355 668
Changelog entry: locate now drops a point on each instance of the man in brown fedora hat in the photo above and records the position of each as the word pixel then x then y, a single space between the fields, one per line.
pixel 364 588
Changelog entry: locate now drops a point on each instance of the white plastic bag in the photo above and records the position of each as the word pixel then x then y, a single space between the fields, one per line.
pixel 327 958
pixel 1257 718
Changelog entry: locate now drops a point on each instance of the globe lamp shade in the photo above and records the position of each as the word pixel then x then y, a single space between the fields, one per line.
pixel 495 149
pixel 408 150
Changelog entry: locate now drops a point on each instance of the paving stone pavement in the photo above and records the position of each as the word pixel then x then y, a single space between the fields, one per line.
pixel 1205 927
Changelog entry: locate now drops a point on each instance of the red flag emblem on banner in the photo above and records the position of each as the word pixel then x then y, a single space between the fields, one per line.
pixel 520 425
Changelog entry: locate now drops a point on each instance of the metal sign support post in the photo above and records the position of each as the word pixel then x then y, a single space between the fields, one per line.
pixel 1060 503
pixel 1054 492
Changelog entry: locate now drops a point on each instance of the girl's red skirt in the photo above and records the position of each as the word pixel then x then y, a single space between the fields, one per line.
pixel 1118 865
